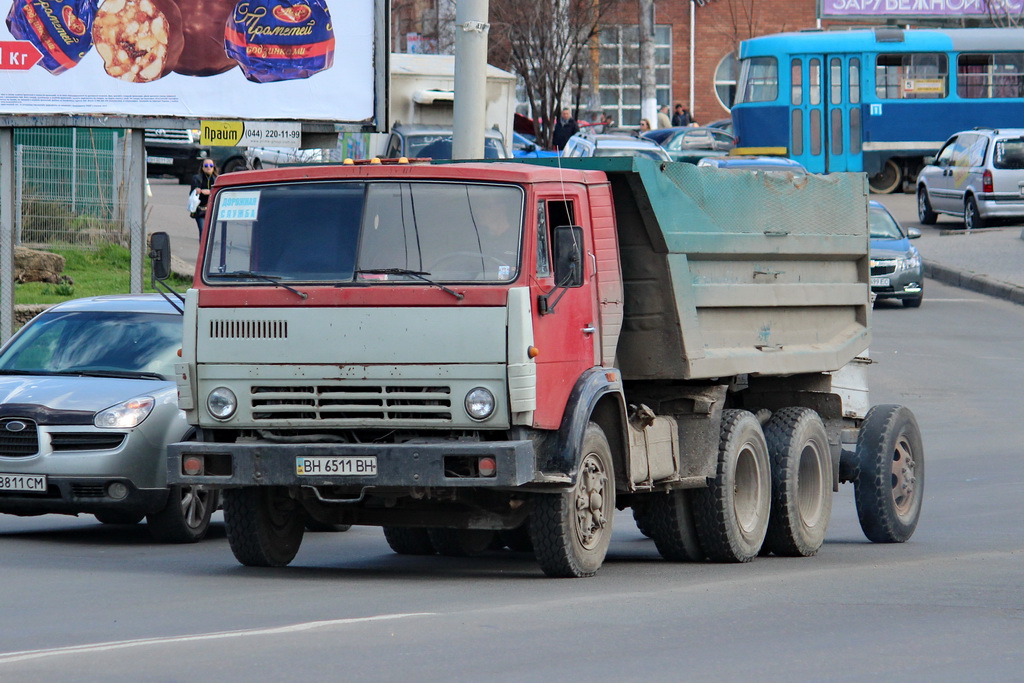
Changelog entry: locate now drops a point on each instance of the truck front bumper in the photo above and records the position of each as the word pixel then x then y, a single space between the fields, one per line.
pixel 396 465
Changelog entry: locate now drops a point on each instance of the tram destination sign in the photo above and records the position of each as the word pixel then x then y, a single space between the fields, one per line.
pixel 917 8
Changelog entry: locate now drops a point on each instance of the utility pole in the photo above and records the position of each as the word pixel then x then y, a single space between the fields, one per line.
pixel 648 94
pixel 471 29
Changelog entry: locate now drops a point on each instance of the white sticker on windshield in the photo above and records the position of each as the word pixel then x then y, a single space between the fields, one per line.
pixel 238 206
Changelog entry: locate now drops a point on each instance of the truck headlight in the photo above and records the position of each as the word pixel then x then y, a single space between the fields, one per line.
pixel 479 403
pixel 126 414
pixel 221 403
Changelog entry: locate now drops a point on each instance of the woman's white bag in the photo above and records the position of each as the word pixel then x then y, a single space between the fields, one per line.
pixel 193 201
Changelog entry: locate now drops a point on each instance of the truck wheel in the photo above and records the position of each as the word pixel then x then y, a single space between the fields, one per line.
pixel 408 540
pixel 236 164
pixel 460 542
pixel 264 525
pixel 571 530
pixel 890 486
pixel 186 516
pixel 672 526
pixel 801 465
pixel 642 516
pixel 117 517
pixel 925 215
pixel 732 512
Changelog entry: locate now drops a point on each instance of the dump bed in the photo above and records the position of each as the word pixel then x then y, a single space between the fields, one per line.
pixel 728 272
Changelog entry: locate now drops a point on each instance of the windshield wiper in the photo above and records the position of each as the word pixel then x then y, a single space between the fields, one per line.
pixel 120 374
pixel 418 274
pixel 273 279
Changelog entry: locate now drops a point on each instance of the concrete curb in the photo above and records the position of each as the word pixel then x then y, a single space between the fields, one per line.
pixel 976 282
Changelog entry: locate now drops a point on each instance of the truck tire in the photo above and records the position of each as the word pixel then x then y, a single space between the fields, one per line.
pixel 642 516
pixel 234 164
pixel 408 540
pixel 186 516
pixel 890 485
pixel 732 512
pixel 571 529
pixel 671 523
pixel 264 525
pixel 801 467
pixel 460 542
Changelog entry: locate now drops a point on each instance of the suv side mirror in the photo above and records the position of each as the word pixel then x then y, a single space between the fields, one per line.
pixel 928 161
pixel 160 255
pixel 913 233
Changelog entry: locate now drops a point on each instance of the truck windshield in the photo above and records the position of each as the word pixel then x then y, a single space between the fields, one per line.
pixel 344 231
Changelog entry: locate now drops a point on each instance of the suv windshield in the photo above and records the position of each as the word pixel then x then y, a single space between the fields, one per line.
pixel 101 342
pixel 343 231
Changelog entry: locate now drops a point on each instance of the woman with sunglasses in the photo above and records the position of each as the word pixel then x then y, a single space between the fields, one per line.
pixel 203 181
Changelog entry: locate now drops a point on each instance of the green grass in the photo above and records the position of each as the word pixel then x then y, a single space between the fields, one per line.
pixel 104 271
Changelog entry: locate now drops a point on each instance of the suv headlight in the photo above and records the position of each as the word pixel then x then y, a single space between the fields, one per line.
pixel 479 403
pixel 126 414
pixel 221 403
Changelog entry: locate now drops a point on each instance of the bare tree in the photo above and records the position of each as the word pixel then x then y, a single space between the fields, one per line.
pixel 1003 13
pixel 545 42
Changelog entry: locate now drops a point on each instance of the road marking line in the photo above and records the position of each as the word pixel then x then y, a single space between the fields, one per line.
pixel 10 657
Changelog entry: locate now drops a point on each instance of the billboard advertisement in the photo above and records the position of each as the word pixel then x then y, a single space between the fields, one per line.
pixel 917 8
pixel 307 60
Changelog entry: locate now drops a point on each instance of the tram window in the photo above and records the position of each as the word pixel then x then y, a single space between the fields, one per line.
pixel 814 82
pixel 990 75
pixel 759 80
pixel 854 81
pixel 837 131
pixel 911 76
pixel 815 132
pixel 854 130
pixel 797 132
pixel 796 72
pixel 835 81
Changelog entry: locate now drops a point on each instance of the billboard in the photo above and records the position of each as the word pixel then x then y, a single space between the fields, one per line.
pixel 308 60
pixel 917 8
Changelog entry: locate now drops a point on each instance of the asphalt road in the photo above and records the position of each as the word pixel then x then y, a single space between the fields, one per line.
pixel 87 602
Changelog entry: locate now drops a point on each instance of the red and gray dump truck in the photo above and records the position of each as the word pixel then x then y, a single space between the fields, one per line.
pixel 503 354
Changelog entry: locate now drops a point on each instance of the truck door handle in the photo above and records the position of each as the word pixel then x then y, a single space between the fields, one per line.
pixel 589 329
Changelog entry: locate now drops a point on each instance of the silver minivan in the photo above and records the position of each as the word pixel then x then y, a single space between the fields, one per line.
pixel 978 175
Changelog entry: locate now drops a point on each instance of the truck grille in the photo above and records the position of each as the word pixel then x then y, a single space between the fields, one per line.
pixel 357 403
pixel 19 437
pixel 85 441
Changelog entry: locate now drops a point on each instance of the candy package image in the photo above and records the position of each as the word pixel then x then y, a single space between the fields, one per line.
pixel 60 29
pixel 139 40
pixel 202 26
pixel 277 40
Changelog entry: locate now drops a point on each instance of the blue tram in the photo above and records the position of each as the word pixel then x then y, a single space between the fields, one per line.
pixel 875 100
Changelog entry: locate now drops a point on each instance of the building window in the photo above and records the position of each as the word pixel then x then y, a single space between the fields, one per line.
pixel 990 75
pixel 911 76
pixel 620 71
pixel 726 76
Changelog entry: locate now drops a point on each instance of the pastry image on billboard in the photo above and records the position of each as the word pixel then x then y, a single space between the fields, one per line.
pixel 139 40
pixel 279 40
pixel 202 26
pixel 60 29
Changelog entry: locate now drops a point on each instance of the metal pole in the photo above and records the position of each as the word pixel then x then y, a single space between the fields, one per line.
pixel 136 177
pixel 648 82
pixel 693 48
pixel 471 29
pixel 6 233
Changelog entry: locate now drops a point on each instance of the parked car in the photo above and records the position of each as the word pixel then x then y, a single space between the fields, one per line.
pixel 178 153
pixel 422 140
pixel 978 176
pixel 755 163
pixel 524 146
pixel 260 157
pixel 686 143
pixel 87 408
pixel 613 145
pixel 896 268
pixel 722 124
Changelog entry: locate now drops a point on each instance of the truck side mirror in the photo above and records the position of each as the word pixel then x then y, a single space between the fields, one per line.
pixel 568 253
pixel 160 255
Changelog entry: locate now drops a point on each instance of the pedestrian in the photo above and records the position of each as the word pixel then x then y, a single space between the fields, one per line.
pixel 565 128
pixel 645 126
pixel 203 181
pixel 663 120
pixel 681 117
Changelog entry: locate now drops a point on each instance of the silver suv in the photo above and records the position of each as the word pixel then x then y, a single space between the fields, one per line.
pixel 978 175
